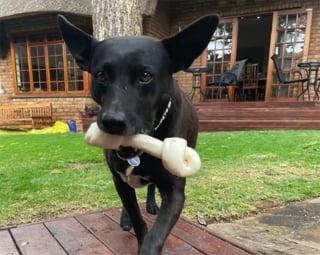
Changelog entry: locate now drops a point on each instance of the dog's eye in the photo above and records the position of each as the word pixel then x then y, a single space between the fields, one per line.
pixel 145 78
pixel 100 76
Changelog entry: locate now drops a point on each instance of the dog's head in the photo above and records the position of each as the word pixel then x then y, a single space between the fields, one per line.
pixel 132 76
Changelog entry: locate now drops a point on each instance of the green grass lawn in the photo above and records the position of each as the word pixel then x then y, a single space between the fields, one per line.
pixel 47 176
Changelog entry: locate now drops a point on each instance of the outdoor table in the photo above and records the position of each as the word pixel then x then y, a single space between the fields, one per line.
pixel 196 78
pixel 312 67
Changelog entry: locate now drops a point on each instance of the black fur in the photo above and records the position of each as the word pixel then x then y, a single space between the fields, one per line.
pixel 132 82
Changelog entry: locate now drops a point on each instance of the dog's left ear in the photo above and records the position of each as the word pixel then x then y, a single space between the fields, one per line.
pixel 187 45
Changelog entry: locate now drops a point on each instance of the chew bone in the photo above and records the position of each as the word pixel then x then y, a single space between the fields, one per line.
pixel 176 157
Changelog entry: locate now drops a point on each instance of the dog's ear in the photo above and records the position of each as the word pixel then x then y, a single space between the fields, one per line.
pixel 188 44
pixel 78 42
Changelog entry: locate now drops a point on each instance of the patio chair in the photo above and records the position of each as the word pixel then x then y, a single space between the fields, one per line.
pixel 284 77
pixel 228 78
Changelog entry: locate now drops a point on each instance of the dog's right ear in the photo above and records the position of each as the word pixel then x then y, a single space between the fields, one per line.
pixel 78 42
pixel 184 47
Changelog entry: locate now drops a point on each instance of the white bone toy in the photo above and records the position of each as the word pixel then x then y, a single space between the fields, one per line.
pixel 176 157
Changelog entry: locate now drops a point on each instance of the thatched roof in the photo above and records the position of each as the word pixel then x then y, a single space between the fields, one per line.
pixel 16 8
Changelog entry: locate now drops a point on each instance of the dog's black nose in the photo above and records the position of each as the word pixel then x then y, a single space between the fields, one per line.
pixel 113 122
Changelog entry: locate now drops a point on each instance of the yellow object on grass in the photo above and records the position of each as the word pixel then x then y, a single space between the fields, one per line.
pixel 59 127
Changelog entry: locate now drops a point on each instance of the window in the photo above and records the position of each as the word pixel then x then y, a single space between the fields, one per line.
pixel 219 51
pixel 290 37
pixel 43 65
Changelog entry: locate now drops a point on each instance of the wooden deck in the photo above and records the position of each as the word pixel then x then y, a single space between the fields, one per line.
pixel 224 116
pixel 99 233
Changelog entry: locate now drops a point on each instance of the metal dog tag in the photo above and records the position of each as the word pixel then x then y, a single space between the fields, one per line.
pixel 134 161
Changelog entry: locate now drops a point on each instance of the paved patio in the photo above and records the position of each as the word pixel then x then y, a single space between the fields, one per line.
pixel 292 229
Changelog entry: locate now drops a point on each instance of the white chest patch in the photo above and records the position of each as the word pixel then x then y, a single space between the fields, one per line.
pixel 135 181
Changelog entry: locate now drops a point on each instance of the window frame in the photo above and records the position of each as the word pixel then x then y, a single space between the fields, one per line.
pixel 45 44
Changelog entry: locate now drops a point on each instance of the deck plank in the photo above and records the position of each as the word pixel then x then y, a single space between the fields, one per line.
pixel 201 239
pixel 75 238
pixel 173 245
pixel 110 233
pixel 7 246
pixel 100 233
pixel 35 239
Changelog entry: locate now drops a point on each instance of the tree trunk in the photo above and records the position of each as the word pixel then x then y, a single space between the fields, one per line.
pixel 116 18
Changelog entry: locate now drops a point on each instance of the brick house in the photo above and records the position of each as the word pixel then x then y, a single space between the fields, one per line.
pixel 36 67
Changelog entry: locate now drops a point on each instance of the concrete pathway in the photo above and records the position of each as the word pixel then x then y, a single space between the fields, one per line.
pixel 293 229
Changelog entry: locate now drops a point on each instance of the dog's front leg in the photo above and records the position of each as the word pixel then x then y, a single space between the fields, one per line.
pixel 125 220
pixel 171 206
pixel 129 201
pixel 151 207
pixel 151 204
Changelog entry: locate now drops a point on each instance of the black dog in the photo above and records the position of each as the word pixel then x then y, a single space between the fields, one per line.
pixel 132 82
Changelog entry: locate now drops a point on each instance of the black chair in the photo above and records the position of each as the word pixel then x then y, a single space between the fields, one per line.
pixel 284 77
pixel 228 78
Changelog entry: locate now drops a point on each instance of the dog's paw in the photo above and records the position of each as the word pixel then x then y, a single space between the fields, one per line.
pixel 125 221
pixel 152 208
pixel 126 226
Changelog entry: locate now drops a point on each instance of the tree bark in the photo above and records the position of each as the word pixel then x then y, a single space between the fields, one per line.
pixel 116 18
pixel 120 17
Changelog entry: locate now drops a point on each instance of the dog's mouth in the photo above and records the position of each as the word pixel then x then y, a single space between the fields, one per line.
pixel 126 153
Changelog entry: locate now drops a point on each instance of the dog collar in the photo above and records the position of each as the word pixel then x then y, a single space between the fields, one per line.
pixel 164 115
pixel 134 162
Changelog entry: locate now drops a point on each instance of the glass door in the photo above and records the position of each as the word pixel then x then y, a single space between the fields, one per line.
pixel 289 40
pixel 220 53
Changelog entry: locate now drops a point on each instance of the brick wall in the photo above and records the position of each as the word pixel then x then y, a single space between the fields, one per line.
pixel 6 80
pixel 158 25
pixel 63 108
pixel 314 47
pixel 184 80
